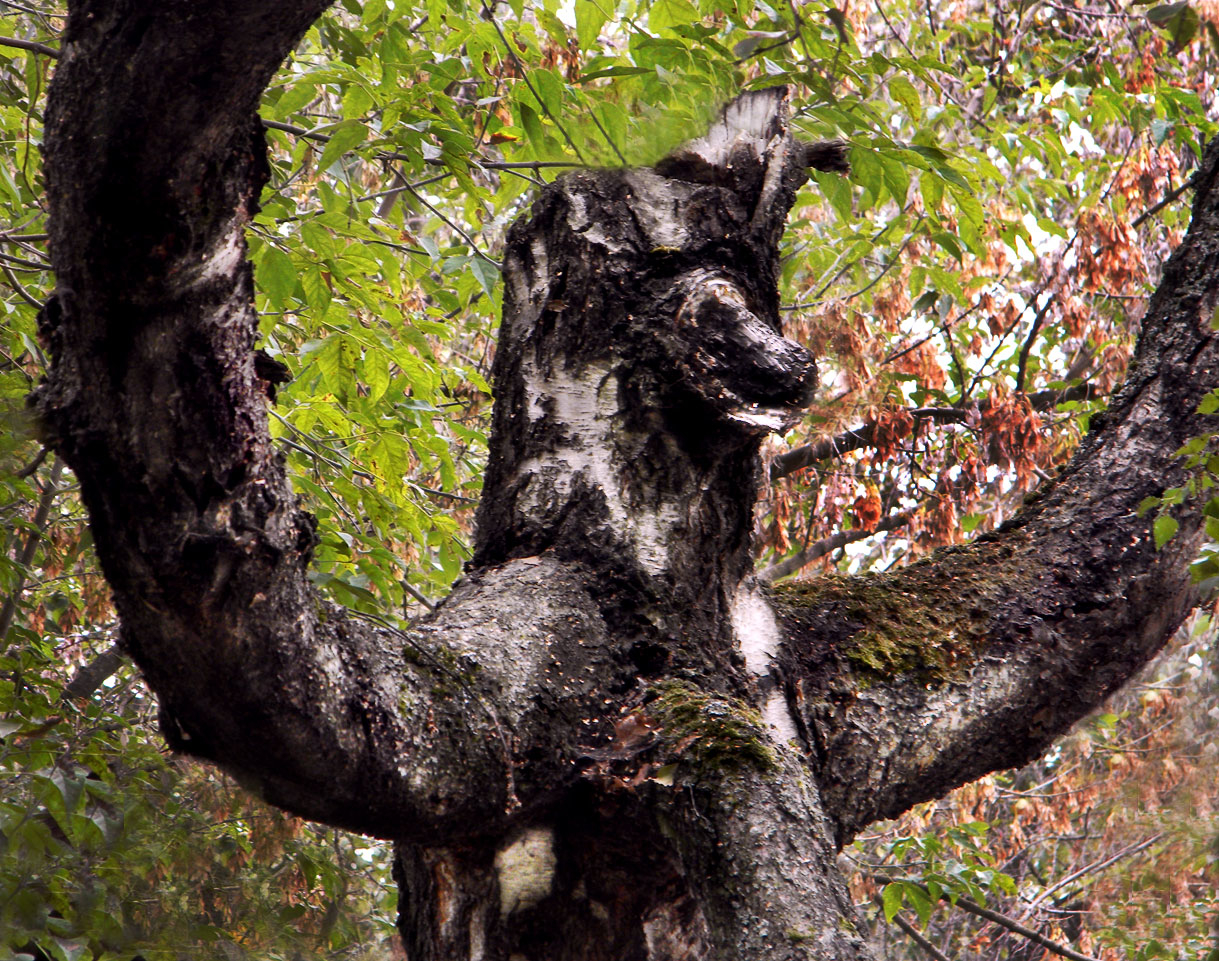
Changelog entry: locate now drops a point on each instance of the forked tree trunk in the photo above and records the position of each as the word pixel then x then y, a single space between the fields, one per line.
pixel 608 742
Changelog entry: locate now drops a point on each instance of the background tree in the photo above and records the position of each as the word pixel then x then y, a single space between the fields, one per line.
pixel 326 293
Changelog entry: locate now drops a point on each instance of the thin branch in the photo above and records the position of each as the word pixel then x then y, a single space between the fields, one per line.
pixel 1094 867
pixel 32 265
pixel 1002 920
pixel 16 285
pixel 917 937
pixel 525 77
pixel 1168 198
pixel 417 595
pixel 1013 925
pixel 452 226
pixel 37 533
pixel 90 677
pixel 389 155
pixel 1022 363
pixel 857 437
pixel 791 565
pixel 29 469
pixel 32 45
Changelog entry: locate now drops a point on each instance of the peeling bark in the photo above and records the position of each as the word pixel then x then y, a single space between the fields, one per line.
pixel 607 742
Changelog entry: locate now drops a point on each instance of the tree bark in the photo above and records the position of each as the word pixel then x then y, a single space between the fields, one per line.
pixel 606 742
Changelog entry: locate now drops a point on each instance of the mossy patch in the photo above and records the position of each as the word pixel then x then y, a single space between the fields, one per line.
pixel 713 732
pixel 929 619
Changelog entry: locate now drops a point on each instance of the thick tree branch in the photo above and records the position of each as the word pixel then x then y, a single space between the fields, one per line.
pixel 154 400
pixel 916 681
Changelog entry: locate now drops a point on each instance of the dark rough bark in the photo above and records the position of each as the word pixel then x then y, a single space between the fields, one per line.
pixel 604 743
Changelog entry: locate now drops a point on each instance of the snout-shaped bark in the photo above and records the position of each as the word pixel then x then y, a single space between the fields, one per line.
pixel 737 362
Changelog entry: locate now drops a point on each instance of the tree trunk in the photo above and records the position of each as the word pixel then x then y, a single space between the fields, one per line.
pixel 607 742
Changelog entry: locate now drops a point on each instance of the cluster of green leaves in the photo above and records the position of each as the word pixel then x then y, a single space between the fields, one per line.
pixel 109 849
pixel 954 865
pixel 1201 460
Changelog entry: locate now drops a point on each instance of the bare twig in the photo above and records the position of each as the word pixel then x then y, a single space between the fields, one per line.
pixel 916 936
pixel 37 531
pixel 857 437
pixel 1094 867
pixel 1160 205
pixel 1013 925
pixel 818 549
pixel 21 291
pixel 418 595
pixel 32 45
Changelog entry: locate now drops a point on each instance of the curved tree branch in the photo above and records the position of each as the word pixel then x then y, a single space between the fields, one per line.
pixel 155 401
pixel 914 682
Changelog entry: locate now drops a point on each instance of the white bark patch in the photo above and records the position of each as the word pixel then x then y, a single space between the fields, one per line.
pixel 478 936
pixel 750 121
pixel 525 869
pixel 657 215
pixel 223 259
pixel 586 405
pixel 758 637
pixel 580 223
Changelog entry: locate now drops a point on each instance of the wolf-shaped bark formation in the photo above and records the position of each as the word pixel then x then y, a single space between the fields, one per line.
pixel 608 742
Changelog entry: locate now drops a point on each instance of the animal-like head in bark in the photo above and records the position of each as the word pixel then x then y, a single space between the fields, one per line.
pixel 641 359
pixel 673 270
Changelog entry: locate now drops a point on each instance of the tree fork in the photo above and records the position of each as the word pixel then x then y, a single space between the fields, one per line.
pixel 607 710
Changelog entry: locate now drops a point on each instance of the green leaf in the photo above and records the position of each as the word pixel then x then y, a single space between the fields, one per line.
pixel 293 99
pixel 1179 20
pixel 902 90
pixel 276 275
pixel 486 272
pixel 1147 504
pixel 346 136
pixel 891 899
pixel 591 16
pixel 1164 528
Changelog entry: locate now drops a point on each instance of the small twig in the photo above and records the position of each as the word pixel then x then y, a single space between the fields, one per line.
pixel 452 226
pixel 917 937
pixel 1168 198
pixel 525 77
pixel 21 291
pixel 1013 925
pixel 417 595
pixel 1094 867
pixel 818 549
pixel 32 45
pixel 37 532
pixel 32 265
pixel 857 437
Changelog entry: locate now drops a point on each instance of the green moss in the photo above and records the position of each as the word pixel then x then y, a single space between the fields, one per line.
pixel 929 619
pixel 716 734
